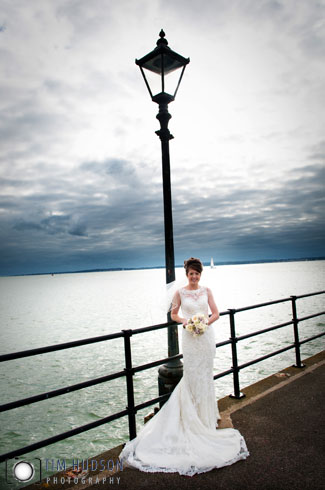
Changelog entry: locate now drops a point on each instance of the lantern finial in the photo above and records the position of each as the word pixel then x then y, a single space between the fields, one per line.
pixel 162 39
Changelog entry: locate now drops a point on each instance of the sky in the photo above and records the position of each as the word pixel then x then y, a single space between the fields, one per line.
pixel 80 163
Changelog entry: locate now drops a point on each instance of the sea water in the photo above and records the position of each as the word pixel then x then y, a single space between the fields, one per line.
pixel 42 310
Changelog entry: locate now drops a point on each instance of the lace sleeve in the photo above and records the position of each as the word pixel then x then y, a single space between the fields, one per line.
pixel 176 301
pixel 172 289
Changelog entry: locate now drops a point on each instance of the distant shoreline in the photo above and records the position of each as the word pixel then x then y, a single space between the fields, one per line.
pixel 119 269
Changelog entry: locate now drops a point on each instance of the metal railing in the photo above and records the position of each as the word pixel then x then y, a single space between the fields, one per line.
pixel 129 371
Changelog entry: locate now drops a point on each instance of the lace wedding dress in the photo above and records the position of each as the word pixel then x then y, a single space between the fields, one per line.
pixel 182 437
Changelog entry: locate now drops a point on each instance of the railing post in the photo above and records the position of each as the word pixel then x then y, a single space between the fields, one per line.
pixel 237 393
pixel 129 383
pixel 296 332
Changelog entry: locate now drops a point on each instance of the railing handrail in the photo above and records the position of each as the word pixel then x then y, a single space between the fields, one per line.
pixel 130 370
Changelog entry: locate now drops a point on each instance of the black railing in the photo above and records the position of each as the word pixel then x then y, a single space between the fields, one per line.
pixel 130 370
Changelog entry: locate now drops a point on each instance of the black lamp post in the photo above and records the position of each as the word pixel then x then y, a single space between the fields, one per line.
pixel 160 67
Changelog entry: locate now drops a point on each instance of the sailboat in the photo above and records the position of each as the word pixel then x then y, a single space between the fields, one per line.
pixel 212 264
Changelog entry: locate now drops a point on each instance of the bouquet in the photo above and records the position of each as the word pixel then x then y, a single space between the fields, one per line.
pixel 197 325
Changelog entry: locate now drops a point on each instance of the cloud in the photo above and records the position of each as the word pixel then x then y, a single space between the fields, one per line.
pixel 81 165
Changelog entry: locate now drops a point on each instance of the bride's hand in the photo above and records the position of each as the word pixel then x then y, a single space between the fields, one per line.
pixel 184 322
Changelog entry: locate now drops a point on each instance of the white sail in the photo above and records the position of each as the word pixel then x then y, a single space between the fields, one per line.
pixel 212 263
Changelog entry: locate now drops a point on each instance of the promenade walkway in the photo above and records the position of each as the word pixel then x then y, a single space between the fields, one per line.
pixel 282 419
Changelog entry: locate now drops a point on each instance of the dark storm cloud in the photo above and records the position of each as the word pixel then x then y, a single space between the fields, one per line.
pixel 127 216
pixel 105 210
pixel 53 225
pixel 106 206
pixel 290 215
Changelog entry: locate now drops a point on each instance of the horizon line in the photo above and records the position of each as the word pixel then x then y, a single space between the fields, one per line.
pixel 119 269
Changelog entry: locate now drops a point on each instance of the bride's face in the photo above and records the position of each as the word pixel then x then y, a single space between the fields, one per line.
pixel 193 277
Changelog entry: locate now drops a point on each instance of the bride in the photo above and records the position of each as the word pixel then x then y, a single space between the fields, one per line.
pixel 182 437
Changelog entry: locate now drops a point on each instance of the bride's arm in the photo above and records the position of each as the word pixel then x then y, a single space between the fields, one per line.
pixel 213 307
pixel 176 303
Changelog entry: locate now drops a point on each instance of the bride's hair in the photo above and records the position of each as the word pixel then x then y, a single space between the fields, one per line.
pixel 193 263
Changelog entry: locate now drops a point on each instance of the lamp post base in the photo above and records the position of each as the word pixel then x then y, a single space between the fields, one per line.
pixel 168 377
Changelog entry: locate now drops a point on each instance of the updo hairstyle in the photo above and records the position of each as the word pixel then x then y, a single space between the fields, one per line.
pixel 193 263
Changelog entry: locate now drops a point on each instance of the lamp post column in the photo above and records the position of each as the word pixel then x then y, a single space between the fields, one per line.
pixel 164 134
pixel 170 373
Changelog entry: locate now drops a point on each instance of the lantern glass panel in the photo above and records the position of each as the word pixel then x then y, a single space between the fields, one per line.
pixel 157 82
pixel 171 81
pixel 154 81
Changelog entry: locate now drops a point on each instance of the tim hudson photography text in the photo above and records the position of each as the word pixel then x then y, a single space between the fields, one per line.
pixel 83 469
pixel 84 465
pixel 111 480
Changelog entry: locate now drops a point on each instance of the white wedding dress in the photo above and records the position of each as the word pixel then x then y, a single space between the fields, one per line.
pixel 182 437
